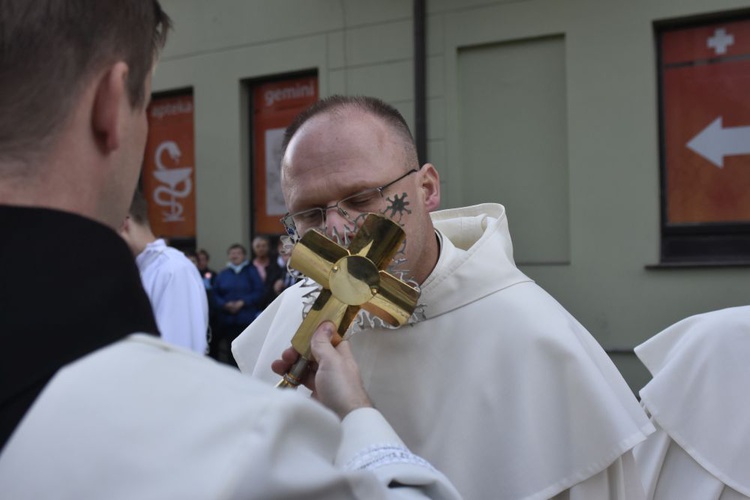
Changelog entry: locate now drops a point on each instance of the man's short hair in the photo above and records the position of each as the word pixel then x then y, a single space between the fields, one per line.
pixel 237 245
pixel 48 49
pixel 139 209
pixel 340 104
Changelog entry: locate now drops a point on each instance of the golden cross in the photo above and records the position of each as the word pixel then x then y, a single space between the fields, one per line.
pixel 352 278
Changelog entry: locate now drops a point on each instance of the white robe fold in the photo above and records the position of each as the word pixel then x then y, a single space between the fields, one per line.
pixel 699 401
pixel 499 387
pixel 141 419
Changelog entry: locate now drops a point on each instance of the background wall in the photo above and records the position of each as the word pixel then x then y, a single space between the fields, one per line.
pixel 547 107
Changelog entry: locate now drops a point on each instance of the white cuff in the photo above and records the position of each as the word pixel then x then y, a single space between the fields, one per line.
pixel 369 442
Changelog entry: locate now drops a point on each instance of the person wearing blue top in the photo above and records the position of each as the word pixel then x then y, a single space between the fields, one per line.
pixel 238 295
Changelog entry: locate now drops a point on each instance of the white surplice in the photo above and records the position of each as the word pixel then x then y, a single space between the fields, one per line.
pixel 499 387
pixel 177 294
pixel 699 401
pixel 141 419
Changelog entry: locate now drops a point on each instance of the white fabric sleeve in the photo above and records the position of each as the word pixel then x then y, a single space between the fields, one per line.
pixel 181 309
pixel 297 440
pixel 139 419
pixel 370 444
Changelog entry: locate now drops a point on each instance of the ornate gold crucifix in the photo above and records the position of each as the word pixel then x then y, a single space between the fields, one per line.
pixel 352 278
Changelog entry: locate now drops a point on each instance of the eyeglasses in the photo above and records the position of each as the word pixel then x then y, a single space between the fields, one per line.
pixel 350 207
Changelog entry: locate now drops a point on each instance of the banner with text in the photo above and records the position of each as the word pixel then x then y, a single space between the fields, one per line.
pixel 169 167
pixel 275 104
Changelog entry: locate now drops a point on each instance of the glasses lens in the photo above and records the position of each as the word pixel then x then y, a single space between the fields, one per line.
pixel 288 223
pixel 369 200
pixel 308 219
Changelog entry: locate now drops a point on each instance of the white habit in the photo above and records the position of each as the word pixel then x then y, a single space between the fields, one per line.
pixel 499 387
pixel 177 294
pixel 140 419
pixel 699 401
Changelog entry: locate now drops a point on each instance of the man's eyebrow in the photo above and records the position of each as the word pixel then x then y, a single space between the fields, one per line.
pixel 361 189
pixel 354 189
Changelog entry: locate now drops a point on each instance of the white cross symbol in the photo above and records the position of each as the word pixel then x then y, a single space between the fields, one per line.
pixel 720 41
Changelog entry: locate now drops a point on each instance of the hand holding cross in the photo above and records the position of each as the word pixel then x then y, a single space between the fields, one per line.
pixel 352 278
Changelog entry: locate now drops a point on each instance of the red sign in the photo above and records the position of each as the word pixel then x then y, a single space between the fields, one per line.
pixel 706 99
pixel 169 167
pixel 275 104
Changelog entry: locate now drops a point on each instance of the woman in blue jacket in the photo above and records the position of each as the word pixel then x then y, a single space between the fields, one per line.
pixel 238 295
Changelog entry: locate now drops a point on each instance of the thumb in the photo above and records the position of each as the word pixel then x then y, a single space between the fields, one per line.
pixel 320 345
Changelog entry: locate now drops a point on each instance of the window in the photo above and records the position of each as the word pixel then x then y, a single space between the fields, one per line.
pixel 704 89
pixel 275 104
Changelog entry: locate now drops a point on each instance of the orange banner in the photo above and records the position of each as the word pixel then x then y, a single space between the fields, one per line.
pixel 169 167
pixel 706 119
pixel 275 104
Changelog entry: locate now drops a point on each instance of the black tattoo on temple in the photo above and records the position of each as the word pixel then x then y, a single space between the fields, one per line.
pixel 397 206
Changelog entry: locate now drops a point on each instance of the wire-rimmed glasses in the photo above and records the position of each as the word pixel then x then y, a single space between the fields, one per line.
pixel 368 200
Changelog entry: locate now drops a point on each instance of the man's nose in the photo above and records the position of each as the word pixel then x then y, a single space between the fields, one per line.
pixel 336 222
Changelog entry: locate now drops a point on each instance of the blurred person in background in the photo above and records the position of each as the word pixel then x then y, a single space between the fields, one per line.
pixel 170 279
pixel 208 274
pixel 268 270
pixel 238 293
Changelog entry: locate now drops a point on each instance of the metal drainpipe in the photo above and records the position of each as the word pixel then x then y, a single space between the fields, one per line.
pixel 420 80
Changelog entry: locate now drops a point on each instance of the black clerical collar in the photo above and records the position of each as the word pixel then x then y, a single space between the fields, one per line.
pixel 69 287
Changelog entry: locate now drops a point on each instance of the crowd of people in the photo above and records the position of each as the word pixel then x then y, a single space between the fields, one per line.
pixel 242 290
pixel 207 310
pixel 491 390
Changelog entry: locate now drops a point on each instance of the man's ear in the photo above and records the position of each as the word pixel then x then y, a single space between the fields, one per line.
pixel 430 185
pixel 110 102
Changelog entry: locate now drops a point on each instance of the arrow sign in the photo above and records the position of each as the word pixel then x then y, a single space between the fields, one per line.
pixel 715 142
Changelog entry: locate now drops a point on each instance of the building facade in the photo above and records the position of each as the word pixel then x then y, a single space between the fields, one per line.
pixel 553 108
